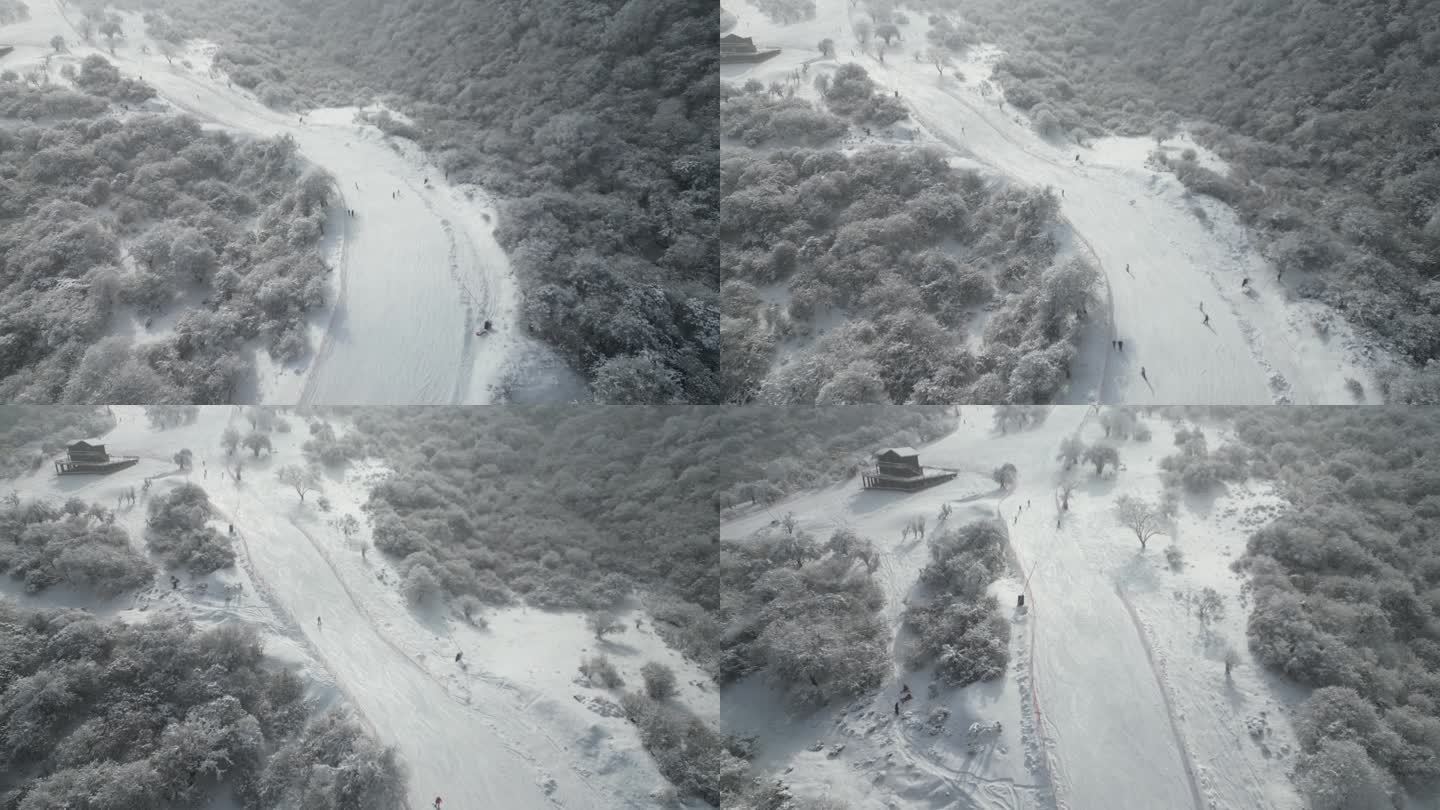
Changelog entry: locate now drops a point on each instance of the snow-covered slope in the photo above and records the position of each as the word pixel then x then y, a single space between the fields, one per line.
pixel 1116 696
pixel 421 271
pixel 506 727
pixel 1258 348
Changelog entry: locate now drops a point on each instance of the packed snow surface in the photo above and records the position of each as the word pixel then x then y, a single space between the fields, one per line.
pixel 510 725
pixel 1163 262
pixel 1116 696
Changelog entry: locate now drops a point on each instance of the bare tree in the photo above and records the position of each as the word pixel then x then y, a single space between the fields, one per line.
pixel 1140 517
pixel 869 555
pixel 303 479
pixel 1067 487
pixel 602 623
pixel 789 522
pixel 169 50
pixel 940 59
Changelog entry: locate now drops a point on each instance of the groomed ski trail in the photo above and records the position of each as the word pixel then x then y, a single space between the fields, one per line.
pixel 421 268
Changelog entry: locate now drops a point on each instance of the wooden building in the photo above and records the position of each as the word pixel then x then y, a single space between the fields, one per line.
pixel 900 468
pixel 83 457
pixel 735 48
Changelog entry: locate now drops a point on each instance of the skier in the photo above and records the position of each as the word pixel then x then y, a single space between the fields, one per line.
pixel 1077 158
pixel 1245 282
pixel 1206 322
pixel 437 802
pixel 232 529
pixel 318 622
pixel 897 709
pixel 1127 268
pixel 1142 374
pixel 1120 344
pixel 457 656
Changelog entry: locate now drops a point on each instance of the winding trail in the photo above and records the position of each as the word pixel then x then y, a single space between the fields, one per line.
pixel 421 263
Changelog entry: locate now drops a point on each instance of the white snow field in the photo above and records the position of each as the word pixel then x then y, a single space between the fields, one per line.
pixel 1116 696
pixel 1259 348
pixel 508 727
pixel 417 274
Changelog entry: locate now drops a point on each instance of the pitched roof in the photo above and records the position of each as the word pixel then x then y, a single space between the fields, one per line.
pixel 899 451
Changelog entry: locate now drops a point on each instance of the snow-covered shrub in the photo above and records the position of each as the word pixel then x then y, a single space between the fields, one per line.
pixel 176 530
pixel 1174 557
pixel 660 681
pixel 601 672
pixel 967 641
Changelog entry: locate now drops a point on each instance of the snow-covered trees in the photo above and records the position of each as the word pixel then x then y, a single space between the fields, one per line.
pixel 207 717
pixel 1339 775
pixel 826 47
pixel 1005 475
pixel 1140 517
pixel 301 479
pixel 176 530
pixel 820 648
pixel 78 545
pixel 961 629
pixel 255 441
pixel 184 459
pixel 1071 449
pixel 165 417
pixel 825 224
pixel 421 585
pixel 851 93
pixel 58 43
pixel 1100 455
pixel 230 440
pixel 180 201
pixel 660 683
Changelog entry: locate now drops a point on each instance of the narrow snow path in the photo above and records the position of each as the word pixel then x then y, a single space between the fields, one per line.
pixel 422 268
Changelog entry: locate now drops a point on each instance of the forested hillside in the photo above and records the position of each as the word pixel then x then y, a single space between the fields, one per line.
pixel 938 285
pixel 1329 114
pixel 107 224
pixel 597 121
pixel 1346 591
